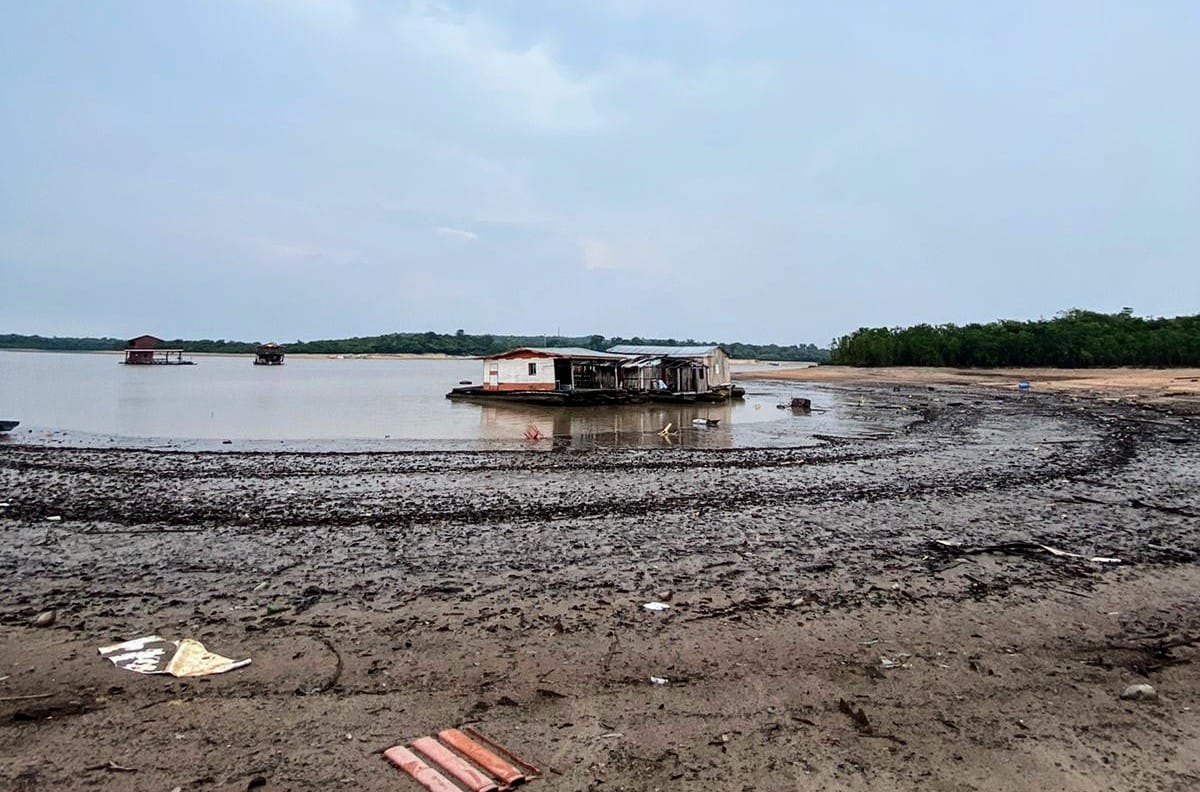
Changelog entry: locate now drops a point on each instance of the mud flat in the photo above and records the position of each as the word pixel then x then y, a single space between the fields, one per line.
pixel 819 636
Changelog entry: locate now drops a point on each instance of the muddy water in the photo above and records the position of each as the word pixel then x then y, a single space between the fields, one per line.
pixel 90 398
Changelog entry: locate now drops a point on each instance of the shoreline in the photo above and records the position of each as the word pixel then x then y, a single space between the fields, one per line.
pixel 1173 389
pixel 386 596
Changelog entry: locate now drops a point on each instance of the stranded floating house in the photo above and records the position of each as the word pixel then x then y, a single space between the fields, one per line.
pixel 550 375
pixel 144 351
pixel 270 354
pixel 622 375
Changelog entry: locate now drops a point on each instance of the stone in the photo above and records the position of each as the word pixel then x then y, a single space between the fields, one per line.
pixel 45 619
pixel 1139 693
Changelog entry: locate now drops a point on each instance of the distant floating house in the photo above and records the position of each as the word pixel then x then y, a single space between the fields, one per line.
pixel 269 354
pixel 623 374
pixel 144 351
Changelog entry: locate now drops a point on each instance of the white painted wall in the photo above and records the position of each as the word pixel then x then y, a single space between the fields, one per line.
pixel 516 371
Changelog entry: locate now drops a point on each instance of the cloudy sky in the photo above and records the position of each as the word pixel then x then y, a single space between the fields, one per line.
pixel 760 171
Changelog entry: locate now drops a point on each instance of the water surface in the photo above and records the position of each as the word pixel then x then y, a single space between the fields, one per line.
pixel 373 402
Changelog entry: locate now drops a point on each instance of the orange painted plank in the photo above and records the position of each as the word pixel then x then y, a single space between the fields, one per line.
pixel 465 773
pixel 425 775
pixel 508 775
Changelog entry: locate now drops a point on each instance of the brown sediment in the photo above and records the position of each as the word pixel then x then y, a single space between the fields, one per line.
pixel 385 595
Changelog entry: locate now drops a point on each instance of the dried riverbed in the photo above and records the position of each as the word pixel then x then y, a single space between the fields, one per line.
pixel 383 596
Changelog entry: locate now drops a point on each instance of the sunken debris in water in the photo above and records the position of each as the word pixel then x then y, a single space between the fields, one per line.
pixel 622 375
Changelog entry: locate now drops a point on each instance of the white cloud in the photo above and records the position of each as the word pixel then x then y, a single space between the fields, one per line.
pixel 277 253
pixel 598 255
pixel 457 233
pixel 525 85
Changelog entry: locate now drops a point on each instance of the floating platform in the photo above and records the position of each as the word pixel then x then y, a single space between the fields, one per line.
pixel 557 398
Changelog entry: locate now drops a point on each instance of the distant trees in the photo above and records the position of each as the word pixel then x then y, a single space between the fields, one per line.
pixel 1073 339
pixel 460 343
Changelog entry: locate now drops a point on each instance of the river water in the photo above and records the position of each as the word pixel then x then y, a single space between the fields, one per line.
pixel 309 402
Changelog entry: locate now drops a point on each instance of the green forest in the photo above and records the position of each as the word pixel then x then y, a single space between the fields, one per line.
pixel 1073 339
pixel 459 343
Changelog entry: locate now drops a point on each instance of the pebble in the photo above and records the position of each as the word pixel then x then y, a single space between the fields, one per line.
pixel 45 619
pixel 1139 693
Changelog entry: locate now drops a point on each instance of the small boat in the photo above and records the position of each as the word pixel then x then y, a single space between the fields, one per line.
pixel 8 426
pixel 705 421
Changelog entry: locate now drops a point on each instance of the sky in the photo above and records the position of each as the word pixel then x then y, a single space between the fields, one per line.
pixel 771 172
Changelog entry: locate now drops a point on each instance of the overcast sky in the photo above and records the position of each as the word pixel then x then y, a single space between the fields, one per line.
pixel 759 171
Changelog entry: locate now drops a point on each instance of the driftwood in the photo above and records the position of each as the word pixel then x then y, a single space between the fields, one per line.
pixel 1032 549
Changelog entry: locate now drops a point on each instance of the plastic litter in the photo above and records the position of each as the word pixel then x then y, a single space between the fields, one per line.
pixel 658 680
pixel 656 606
pixel 155 655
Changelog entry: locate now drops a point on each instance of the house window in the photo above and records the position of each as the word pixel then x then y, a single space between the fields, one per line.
pixel 533 369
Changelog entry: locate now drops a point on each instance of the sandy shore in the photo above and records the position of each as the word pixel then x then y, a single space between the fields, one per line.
pixel 819 636
pixel 1162 387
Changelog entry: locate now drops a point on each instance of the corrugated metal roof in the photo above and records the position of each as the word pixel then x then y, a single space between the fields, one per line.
pixel 565 352
pixel 669 351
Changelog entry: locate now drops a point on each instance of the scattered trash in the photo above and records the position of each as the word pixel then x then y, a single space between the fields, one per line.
pixel 54 518
pixel 1022 385
pixel 1139 693
pixel 705 421
pixel 155 655
pixel 533 433
pixel 45 619
pixel 658 680
pixel 897 662
pixel 656 606
pixel 801 405
pixel 666 431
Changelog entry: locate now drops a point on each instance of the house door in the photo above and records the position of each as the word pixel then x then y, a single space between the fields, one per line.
pixel 494 375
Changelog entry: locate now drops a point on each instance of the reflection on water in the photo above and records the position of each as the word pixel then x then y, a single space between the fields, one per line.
pixel 377 403
pixel 628 426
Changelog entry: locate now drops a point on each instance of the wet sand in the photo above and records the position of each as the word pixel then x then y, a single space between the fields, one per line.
pixel 386 595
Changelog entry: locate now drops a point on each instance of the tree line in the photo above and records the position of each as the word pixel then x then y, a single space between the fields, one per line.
pixel 459 343
pixel 1073 339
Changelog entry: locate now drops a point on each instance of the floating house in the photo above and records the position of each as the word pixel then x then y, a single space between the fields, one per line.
pixel 144 351
pixel 623 374
pixel 269 354
pixel 678 373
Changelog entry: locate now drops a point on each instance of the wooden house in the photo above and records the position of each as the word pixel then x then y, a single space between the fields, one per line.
pixel 700 372
pixel 144 351
pixel 269 354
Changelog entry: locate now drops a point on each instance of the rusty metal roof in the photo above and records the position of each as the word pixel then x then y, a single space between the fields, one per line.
pixel 665 351
pixel 557 352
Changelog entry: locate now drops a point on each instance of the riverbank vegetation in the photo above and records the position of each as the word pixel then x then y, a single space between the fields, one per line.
pixel 459 343
pixel 1073 339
